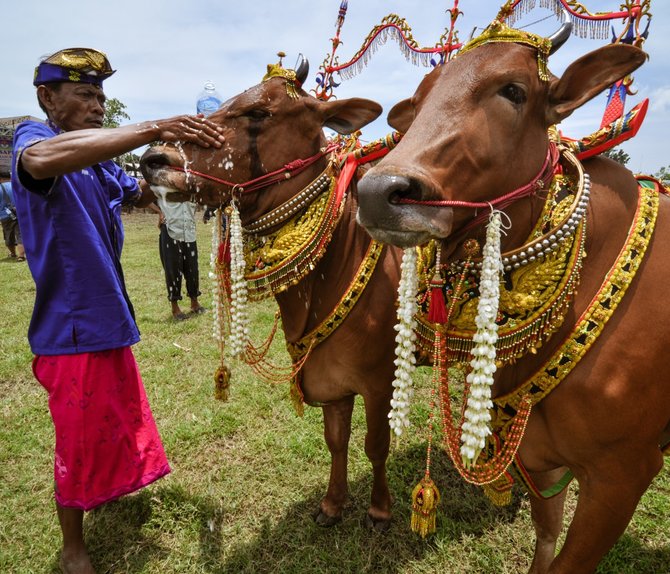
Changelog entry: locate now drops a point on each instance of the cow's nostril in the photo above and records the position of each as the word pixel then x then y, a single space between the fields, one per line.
pixel 403 188
pixel 152 161
pixel 156 160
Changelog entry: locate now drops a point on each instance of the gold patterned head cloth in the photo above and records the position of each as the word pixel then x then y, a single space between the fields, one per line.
pixel 83 65
pixel 498 31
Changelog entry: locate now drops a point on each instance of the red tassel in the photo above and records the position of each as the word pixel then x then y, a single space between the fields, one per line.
pixel 437 310
pixel 224 253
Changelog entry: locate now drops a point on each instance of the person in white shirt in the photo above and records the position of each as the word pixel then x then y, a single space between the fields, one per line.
pixel 179 253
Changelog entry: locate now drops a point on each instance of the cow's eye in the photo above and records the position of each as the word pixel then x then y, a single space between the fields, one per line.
pixel 514 93
pixel 256 114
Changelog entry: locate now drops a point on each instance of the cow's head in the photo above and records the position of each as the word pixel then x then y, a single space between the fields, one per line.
pixel 265 127
pixel 476 129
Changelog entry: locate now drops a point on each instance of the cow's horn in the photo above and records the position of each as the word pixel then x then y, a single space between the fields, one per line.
pixel 559 37
pixel 302 71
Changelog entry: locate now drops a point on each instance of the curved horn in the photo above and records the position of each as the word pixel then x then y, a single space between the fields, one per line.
pixel 302 71
pixel 559 37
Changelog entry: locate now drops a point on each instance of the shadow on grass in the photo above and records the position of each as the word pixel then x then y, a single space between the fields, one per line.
pixel 631 555
pixel 128 534
pixel 294 544
pixel 117 536
pixel 133 532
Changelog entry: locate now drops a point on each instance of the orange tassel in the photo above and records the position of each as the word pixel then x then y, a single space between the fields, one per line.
pixel 437 310
pixel 425 498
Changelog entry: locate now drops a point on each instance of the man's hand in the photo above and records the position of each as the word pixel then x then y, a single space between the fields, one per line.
pixel 193 129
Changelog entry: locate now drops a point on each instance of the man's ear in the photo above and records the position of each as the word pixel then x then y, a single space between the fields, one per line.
pixel 45 96
pixel 586 77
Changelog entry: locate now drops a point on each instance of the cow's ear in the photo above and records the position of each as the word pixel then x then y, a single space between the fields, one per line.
pixel 586 77
pixel 347 116
pixel 401 116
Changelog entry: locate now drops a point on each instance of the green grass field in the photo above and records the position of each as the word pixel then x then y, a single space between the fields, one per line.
pixel 248 473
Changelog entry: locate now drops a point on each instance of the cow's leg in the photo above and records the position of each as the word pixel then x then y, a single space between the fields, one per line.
pixel 607 500
pixel 547 516
pixel 337 430
pixel 377 442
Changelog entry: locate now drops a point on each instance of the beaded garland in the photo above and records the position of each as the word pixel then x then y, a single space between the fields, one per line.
pixel 586 331
pixel 290 207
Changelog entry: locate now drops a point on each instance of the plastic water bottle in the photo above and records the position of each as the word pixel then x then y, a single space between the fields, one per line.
pixel 209 99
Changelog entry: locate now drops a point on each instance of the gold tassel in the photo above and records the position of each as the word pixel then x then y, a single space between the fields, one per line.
pixel 498 497
pixel 297 398
pixel 222 383
pixel 425 498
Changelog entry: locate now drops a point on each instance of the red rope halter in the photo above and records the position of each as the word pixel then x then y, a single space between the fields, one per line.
pixel 535 185
pixel 283 173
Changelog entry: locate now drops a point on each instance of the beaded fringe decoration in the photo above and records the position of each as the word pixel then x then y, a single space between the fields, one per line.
pixel 396 28
pixel 582 26
pixel 498 497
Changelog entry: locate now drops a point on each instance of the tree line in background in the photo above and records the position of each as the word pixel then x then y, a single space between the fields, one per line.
pixel 115 112
pixel 663 175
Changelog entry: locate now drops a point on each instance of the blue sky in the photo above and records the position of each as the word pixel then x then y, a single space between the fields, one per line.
pixel 165 50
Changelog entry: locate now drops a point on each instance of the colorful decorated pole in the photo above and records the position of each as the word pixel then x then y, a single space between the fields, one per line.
pixel 392 26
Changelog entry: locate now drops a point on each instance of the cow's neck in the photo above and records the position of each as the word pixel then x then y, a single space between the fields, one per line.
pixel 528 222
pixel 305 305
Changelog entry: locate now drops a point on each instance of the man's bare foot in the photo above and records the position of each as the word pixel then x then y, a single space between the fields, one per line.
pixel 76 564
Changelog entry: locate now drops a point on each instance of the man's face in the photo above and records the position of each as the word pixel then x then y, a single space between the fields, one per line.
pixel 76 106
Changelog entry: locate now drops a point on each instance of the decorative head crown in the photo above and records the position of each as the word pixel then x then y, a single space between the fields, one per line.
pixel 277 71
pixel 84 65
pixel 498 31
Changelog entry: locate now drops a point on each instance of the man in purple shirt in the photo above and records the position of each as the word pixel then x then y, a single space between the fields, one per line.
pixel 68 195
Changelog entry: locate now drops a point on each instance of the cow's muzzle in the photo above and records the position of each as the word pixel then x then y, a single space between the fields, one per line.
pixel 153 163
pixel 385 213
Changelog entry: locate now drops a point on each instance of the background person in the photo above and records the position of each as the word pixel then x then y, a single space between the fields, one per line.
pixel 179 252
pixel 68 197
pixel 10 224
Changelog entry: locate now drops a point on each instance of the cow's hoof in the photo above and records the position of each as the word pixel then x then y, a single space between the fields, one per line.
pixel 325 521
pixel 377 524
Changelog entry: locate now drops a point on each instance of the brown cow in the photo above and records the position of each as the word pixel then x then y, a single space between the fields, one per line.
pixel 266 127
pixel 475 130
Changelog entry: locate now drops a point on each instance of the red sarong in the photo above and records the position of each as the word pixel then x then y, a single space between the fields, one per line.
pixel 107 444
